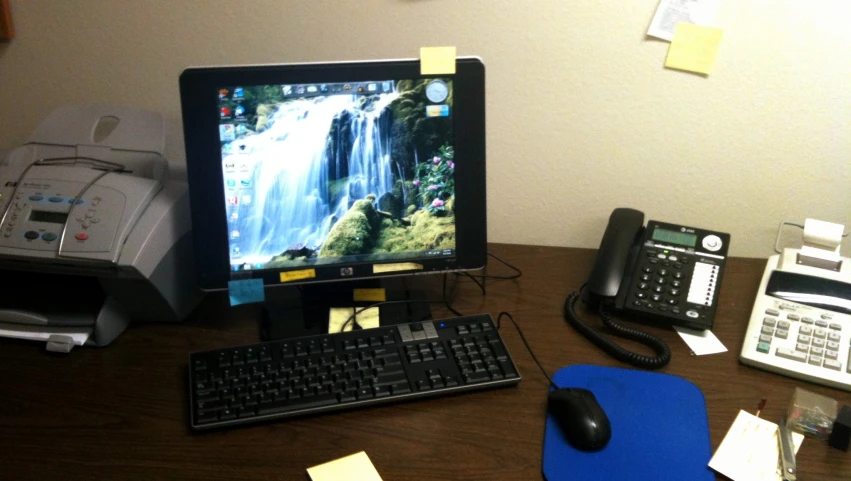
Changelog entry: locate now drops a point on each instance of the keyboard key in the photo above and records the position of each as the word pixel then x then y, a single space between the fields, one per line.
pixel 478 376
pixel 830 364
pixel 288 405
pixel 207 417
pixel 790 354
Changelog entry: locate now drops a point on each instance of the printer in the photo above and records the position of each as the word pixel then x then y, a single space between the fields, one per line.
pixel 93 232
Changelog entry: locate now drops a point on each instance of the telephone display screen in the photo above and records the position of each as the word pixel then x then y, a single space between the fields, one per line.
pixel 674 237
pixel 338 173
pixel 45 216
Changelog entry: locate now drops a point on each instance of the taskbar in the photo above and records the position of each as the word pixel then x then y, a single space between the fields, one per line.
pixel 356 259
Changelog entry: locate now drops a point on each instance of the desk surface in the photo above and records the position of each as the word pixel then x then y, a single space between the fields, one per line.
pixel 121 412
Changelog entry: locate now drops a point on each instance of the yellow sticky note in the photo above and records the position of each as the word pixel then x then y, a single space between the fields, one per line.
pixel 356 467
pixel 337 316
pixel 399 266
pixel 371 295
pixel 694 48
pixel 296 275
pixel 437 60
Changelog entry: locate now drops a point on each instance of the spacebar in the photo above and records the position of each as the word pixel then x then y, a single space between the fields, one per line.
pixel 296 404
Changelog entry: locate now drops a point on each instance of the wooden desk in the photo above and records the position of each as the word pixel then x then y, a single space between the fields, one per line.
pixel 121 412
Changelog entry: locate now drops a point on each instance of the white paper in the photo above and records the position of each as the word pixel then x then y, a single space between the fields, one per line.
pixel 80 336
pixel 700 342
pixel 750 450
pixel 671 12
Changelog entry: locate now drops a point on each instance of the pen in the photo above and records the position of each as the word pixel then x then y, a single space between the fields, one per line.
pixel 759 408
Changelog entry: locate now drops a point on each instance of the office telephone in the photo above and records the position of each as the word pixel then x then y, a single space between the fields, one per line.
pixel 664 274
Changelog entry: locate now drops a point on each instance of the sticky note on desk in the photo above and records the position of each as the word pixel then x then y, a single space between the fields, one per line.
pixel 694 48
pixel 356 467
pixel 437 60
pixel 337 316
pixel 246 291
pixel 750 450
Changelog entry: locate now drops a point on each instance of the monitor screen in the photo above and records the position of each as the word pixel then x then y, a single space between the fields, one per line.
pixel 325 172
pixel 337 173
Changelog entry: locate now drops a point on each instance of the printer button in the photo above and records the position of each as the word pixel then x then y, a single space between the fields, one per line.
pixel 81 236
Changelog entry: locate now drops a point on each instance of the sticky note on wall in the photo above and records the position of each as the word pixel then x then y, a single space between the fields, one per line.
pixel 694 48
pixel 437 60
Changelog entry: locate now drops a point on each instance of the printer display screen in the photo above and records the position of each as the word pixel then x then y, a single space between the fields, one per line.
pixel 338 173
pixel 46 216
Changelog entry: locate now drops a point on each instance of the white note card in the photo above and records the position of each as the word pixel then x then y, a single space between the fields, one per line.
pixel 700 342
pixel 671 12
pixel 750 450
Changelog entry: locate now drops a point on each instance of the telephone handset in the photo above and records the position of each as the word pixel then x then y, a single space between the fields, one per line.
pixel 667 274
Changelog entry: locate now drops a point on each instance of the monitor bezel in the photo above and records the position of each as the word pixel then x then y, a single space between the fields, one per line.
pixel 199 103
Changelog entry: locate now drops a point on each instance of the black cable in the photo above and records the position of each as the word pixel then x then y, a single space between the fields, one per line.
pixel 446 300
pixel 487 276
pixel 525 343
pixel 473 278
pixel 663 352
pixel 406 301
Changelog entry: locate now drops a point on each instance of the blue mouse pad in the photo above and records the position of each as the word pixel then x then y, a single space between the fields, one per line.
pixel 659 428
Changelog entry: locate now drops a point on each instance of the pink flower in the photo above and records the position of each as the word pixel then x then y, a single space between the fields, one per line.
pixel 437 160
pixel 437 203
pixel 416 182
pixel 451 164
pixel 432 187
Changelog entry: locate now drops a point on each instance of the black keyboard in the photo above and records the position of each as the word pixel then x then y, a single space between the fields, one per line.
pixel 333 372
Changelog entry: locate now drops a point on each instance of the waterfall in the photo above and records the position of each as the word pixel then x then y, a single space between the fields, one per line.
pixel 287 172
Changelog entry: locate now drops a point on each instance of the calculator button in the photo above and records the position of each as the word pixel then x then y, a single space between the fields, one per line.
pixel 678 275
pixel 833 345
pixel 807 320
pixel 781 333
pixel 826 316
pixel 820 333
pixel 815 360
pixel 816 351
pixel 821 323
pixel 835 326
pixel 673 258
pixel 763 347
pixel 769 321
pixel 818 342
pixel 765 338
pixel 790 354
pixel 674 292
pixel 834 336
pixel 784 324
pixel 653 261
pixel 793 317
pixel 804 339
pixel 673 302
pixel 660 280
pixel 831 355
pixel 648 270
pixel 772 312
pixel 802 347
pixel 765 329
pixel 806 330
pixel 656 298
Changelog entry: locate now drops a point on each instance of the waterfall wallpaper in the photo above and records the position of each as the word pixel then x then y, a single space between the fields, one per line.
pixel 338 173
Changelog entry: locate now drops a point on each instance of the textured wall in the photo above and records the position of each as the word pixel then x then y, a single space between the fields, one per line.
pixel 582 117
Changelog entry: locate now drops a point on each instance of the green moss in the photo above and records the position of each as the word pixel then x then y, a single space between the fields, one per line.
pixel 354 233
pixel 426 232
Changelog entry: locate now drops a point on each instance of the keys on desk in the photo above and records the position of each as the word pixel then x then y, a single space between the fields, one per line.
pixel 281 379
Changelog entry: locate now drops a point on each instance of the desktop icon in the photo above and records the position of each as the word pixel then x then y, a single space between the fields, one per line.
pixel 235 268
pixel 323 88
pixel 239 111
pixel 311 89
pixel 229 166
pixel 371 87
pixel 360 89
pixel 233 200
pixel 287 89
pixel 347 87
pixel 223 94
pixel 385 86
pixel 299 89
pixel 234 216
pixel 241 129
pixel 234 234
pixel 226 132
pixel 238 93
pixel 258 265
pixel 245 183
pixel 246 199
pixel 225 112
pixel 235 251
pixel 230 183
pixel 437 110
pixel 246 267
pixel 242 148
pixel 243 167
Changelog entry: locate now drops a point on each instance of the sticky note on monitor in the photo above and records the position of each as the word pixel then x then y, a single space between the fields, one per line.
pixel 694 48
pixel 356 467
pixel 437 60
pixel 246 291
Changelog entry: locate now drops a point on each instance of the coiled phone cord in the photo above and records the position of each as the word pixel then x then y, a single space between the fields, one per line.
pixel 663 352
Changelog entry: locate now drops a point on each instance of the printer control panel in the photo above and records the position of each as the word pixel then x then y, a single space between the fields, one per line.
pixel 40 212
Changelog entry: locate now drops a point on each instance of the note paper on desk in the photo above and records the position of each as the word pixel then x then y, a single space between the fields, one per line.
pixel 750 450
pixel 671 12
pixel 700 342
pixel 356 467
pixel 694 48
pixel 337 316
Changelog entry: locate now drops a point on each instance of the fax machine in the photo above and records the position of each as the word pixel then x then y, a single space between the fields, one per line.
pixel 93 233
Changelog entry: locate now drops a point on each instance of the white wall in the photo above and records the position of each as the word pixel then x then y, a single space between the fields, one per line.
pixel 582 117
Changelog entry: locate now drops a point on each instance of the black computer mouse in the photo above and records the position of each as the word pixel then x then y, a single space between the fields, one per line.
pixel 580 417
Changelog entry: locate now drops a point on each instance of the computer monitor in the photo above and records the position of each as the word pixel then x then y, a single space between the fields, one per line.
pixel 311 173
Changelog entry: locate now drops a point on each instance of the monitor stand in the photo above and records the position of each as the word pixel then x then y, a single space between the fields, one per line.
pixel 304 310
